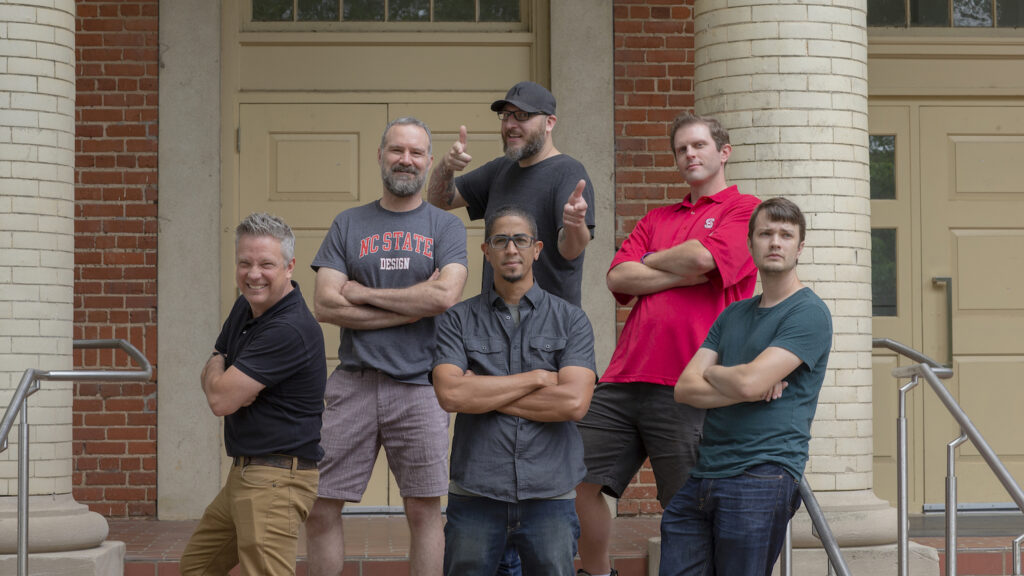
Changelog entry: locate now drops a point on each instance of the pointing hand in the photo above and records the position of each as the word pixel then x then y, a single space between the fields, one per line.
pixel 575 210
pixel 457 159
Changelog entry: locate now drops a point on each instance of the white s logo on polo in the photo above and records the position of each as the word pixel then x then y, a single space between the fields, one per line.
pixel 709 223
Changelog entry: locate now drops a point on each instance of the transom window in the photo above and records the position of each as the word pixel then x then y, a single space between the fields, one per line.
pixel 386 10
pixel 946 13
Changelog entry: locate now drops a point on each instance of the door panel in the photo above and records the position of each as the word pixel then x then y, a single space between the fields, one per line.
pixel 895 214
pixel 971 205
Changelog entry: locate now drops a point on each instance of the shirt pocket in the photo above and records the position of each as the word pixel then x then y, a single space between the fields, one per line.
pixel 486 355
pixel 545 352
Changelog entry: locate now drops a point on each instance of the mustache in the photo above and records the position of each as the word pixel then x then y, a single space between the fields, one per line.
pixel 406 169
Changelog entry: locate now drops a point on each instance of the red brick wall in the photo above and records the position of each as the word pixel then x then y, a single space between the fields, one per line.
pixel 114 424
pixel 653 83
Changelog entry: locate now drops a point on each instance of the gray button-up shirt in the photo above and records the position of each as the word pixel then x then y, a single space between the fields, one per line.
pixel 504 457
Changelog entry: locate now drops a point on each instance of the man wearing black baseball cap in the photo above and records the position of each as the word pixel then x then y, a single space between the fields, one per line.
pixel 533 175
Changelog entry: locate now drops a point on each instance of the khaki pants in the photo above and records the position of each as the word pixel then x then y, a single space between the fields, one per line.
pixel 253 522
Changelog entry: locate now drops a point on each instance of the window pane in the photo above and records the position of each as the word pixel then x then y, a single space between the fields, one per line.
pixel 887 13
pixel 271 10
pixel 882 151
pixel 454 11
pixel 499 11
pixel 318 10
pixel 883 271
pixel 409 10
pixel 363 10
pixel 1009 13
pixel 929 13
pixel 972 13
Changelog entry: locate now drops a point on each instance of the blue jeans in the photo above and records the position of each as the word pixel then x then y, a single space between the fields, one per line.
pixel 728 526
pixel 544 532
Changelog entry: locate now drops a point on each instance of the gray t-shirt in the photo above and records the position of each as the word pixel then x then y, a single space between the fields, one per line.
pixel 383 249
pixel 541 190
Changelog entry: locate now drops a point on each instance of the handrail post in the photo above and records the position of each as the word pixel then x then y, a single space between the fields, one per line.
pixel 828 540
pixel 23 489
pixel 786 560
pixel 951 503
pixel 902 489
pixel 1016 555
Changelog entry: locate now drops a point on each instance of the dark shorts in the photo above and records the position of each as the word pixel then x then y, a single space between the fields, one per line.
pixel 628 423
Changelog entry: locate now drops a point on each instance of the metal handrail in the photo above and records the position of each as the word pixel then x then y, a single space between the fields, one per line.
pixel 821 530
pixel 28 386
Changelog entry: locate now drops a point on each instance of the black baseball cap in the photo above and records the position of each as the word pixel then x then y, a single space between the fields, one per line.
pixel 528 96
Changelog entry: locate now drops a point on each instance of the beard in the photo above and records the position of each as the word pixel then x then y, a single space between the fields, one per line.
pixel 402 187
pixel 534 143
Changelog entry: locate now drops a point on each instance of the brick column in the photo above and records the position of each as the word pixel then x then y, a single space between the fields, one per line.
pixel 37 63
pixel 789 81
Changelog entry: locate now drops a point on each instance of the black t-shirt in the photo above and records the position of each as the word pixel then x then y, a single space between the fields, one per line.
pixel 542 191
pixel 283 349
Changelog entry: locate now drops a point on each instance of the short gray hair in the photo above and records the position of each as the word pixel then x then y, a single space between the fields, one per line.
pixel 263 224
pixel 405 121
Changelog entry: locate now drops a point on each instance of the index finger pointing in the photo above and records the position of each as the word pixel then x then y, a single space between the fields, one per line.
pixel 462 135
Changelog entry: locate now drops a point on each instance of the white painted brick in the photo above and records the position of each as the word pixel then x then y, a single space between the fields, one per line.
pixel 57 156
pixel 754 135
pixel 833 428
pixel 780 47
pixel 56 87
pixel 805 30
pixel 830 118
pixel 733 84
pixel 38 310
pixel 781 82
pixel 829 83
pixel 711 71
pixel 754 30
pixel 54 18
pixel 780 13
pixel 780 118
pixel 56 121
pixel 788 187
pixel 829 152
pixel 734 120
pixel 811 272
pixel 848 134
pixel 825 411
pixel 730 51
pixel 55 224
pixel 829 14
pixel 849 33
pixel 805 65
pixel 853 308
pixel 810 134
pixel 806 169
pixel 30 68
pixel 704 37
pixel 820 482
pixel 853 239
pixel 830 49
pixel 60 256
pixel 30 31
pixel 839 290
pixel 854 205
pixel 35 170
pixel 33 136
pixel 39 102
pixel 723 17
pixel 17 13
pixel 825 446
pixel 752 171
pixel 816 202
pixel 847 67
pixel 857 171
pixel 781 151
pixel 849 101
pixel 760 65
pixel 20 48
pixel 55 53
pixel 708 102
pixel 754 101
pixel 58 295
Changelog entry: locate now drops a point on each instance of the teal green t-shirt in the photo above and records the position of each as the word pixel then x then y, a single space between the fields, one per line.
pixel 743 435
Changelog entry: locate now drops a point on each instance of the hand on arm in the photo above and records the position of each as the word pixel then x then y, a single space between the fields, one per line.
pixel 227 390
pixel 441 191
pixel 568 401
pixel 331 306
pixel 469 393
pixel 638 279
pixel 755 380
pixel 428 298
pixel 574 235
pixel 689 259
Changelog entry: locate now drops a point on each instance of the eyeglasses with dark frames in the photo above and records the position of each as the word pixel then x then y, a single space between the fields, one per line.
pixel 519 115
pixel 500 241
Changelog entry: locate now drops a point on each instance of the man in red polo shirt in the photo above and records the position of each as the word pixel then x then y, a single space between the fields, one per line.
pixel 684 264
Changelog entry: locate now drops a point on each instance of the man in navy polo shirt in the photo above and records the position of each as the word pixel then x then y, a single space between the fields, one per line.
pixel 266 376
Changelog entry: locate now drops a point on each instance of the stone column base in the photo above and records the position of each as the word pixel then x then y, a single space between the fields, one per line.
pixel 857 518
pixel 107 559
pixel 875 560
pixel 55 523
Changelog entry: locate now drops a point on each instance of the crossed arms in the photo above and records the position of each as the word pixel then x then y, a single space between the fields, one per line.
pixel 349 304
pixel 706 384
pixel 227 390
pixel 685 264
pixel 538 395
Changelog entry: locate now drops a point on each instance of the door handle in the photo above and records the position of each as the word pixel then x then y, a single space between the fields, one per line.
pixel 947 281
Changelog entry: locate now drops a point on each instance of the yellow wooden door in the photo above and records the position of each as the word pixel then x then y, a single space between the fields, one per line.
pixel 896 303
pixel 972 213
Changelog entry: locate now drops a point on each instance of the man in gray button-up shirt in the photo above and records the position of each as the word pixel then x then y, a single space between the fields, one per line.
pixel 517 364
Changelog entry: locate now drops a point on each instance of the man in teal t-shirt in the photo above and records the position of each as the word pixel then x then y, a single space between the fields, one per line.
pixel 759 373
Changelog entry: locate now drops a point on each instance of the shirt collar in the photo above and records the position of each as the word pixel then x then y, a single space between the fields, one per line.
pixel 532 296
pixel 717 197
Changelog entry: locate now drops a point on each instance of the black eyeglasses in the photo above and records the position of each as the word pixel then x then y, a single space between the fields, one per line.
pixel 500 241
pixel 519 115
